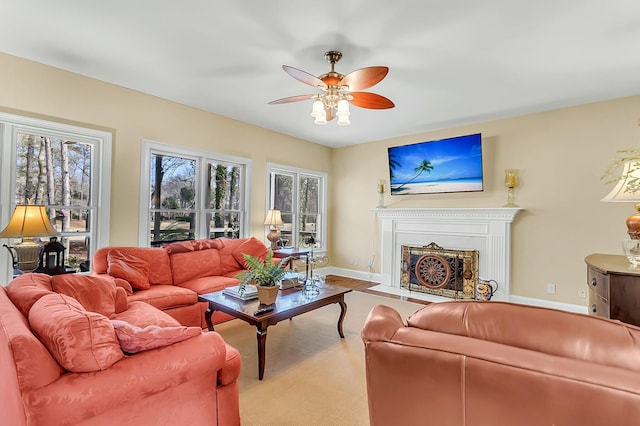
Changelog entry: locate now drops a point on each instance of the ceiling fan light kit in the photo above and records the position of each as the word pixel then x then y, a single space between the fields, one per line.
pixel 338 91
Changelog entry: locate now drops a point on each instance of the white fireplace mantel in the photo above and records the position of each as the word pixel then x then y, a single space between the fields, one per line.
pixel 487 230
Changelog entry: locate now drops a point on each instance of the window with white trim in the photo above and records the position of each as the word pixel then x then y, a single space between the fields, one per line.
pixel 191 194
pixel 300 195
pixel 65 168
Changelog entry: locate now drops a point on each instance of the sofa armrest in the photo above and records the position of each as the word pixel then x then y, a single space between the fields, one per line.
pixel 381 324
pixel 77 396
pixel 230 372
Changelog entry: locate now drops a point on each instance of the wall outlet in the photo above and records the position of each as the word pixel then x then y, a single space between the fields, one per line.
pixel 582 293
pixel 368 264
pixel 354 261
pixel 551 288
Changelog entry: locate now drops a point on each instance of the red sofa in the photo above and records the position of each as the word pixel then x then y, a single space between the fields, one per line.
pixel 171 277
pixel 75 351
pixel 497 363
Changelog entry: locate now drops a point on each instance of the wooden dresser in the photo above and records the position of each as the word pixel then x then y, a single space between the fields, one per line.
pixel 614 288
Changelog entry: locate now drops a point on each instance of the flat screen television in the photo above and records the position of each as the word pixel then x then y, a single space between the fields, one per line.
pixel 445 165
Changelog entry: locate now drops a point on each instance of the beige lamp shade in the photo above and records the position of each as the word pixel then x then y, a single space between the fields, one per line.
pixel 274 218
pixel 28 221
pixel 627 190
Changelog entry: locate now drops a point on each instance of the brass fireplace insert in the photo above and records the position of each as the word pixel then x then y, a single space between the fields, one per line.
pixel 431 269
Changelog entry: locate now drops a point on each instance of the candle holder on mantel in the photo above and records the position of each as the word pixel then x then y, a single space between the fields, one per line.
pixel 380 189
pixel 511 182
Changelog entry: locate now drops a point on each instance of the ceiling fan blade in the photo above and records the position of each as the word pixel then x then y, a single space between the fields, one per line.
pixel 304 77
pixel 364 77
pixel 370 101
pixel 297 98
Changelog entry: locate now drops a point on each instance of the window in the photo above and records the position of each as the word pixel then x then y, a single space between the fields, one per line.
pixel 61 167
pixel 192 194
pixel 300 195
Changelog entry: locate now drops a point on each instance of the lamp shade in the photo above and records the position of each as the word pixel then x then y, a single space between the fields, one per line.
pixel 317 108
pixel 627 188
pixel 321 118
pixel 28 221
pixel 274 217
pixel 343 108
pixel 343 120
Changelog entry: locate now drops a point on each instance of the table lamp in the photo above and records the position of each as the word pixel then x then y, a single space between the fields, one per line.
pixel 274 219
pixel 628 190
pixel 28 221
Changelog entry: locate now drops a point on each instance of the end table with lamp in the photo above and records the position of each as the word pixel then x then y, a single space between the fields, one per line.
pixel 627 190
pixel 29 221
pixel 614 280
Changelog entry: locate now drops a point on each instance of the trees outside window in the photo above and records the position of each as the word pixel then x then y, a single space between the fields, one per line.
pixel 172 201
pixel 300 195
pixel 60 167
pixel 192 194
pixel 56 172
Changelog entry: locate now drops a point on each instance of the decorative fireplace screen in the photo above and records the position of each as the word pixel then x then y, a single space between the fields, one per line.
pixel 442 272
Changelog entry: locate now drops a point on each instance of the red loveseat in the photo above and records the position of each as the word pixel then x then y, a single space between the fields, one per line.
pixel 171 277
pixel 62 359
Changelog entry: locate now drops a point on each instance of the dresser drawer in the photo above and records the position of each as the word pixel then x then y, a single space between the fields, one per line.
pixel 598 283
pixel 598 305
pixel 614 288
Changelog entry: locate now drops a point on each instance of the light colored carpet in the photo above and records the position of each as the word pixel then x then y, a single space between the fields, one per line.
pixel 312 376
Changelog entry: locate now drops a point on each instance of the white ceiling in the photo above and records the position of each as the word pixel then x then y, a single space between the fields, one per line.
pixel 451 61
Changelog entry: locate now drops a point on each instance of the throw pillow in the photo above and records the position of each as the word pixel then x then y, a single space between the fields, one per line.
pixel 251 246
pixel 79 340
pixel 134 339
pixel 26 289
pixel 125 285
pixel 95 293
pixel 129 268
pixel 121 301
pixel 193 245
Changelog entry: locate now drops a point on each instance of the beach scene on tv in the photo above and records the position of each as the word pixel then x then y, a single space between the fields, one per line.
pixel 446 165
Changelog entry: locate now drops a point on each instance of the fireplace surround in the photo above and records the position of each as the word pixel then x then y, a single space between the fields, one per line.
pixel 485 230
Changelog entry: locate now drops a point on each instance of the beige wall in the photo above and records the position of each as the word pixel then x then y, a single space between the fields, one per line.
pixel 561 155
pixel 37 90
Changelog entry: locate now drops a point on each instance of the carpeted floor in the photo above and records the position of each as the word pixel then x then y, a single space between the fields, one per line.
pixel 312 377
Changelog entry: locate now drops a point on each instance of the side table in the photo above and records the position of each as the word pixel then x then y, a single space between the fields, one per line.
pixel 294 253
pixel 614 288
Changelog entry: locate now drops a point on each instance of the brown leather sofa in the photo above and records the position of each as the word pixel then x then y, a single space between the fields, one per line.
pixel 497 363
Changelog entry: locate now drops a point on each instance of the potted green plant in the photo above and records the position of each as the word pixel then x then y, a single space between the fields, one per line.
pixel 264 274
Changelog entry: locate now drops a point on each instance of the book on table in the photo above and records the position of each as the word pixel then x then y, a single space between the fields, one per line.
pixel 250 292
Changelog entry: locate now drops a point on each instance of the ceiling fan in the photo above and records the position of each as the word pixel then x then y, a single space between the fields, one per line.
pixel 337 91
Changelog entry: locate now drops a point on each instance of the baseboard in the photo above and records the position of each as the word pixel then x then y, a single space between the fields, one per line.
pixel 548 304
pixel 369 276
pixel 350 273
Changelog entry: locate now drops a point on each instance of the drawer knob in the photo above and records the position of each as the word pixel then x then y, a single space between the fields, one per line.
pixel 594 282
pixel 593 308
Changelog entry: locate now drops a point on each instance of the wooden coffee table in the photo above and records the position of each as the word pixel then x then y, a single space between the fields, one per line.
pixel 290 303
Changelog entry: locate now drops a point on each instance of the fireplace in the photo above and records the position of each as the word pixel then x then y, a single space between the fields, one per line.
pixel 485 230
pixel 435 270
